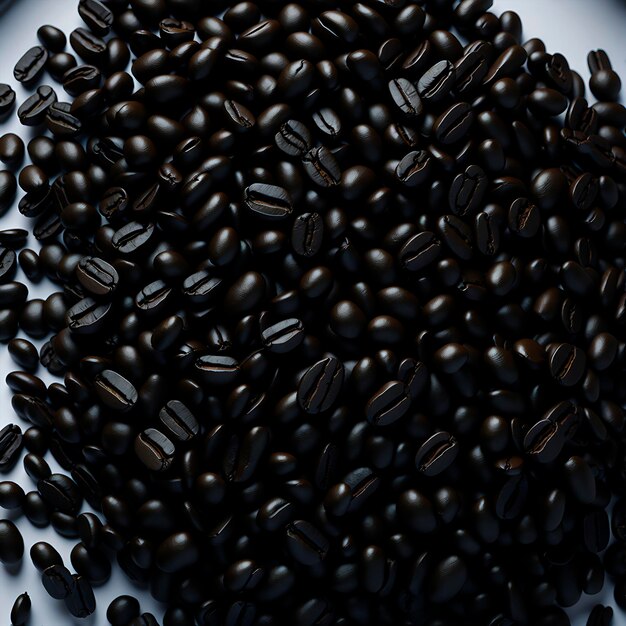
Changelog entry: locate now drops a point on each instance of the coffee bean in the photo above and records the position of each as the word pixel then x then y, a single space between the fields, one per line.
pixel 414 168
pixel 97 276
pixel 154 450
pixel 306 543
pixel 115 391
pixel 7 99
pixel 307 234
pixel 437 82
pixel 34 109
pixel 436 454
pixel 268 201
pixel 10 445
pixel 88 46
pixel 11 543
pixel 179 421
pixel 600 616
pixel 284 336
pixel 122 610
pixel 419 251
pixel 320 386
pixel 87 316
pixel 30 66
pixel 177 552
pixel 454 124
pixel 405 96
pixel 80 601
pixel 96 15
pixel 567 364
pixel 388 404
pixel 11 149
pixel 467 191
pixel 20 612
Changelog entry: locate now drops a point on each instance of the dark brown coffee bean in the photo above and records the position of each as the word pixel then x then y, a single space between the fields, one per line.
pixel 97 276
pixel 420 251
pixel 567 364
pixel 467 191
pixel 88 46
pixel 11 543
pixel 97 16
pixel 437 82
pixel 7 99
pixel 454 123
pixel 414 169
pixel 10 445
pixel 320 386
pixel 178 421
pixel 80 601
pixel 20 612
pixel 154 450
pixel 30 66
pixel 293 138
pixel 436 454
pixel 388 404
pixel 268 201
pixel 405 96
pixel 307 234
pixel 306 543
pixel 322 167
pixel 34 109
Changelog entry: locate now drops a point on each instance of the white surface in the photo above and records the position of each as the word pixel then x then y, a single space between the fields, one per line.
pixel 572 27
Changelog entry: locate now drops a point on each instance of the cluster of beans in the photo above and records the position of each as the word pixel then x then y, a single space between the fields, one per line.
pixel 341 314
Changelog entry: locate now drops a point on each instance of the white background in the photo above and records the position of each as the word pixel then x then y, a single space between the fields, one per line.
pixel 572 27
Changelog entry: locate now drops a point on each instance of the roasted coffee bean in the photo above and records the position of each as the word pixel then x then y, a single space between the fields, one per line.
pixel 293 138
pixel 11 149
pixel 567 364
pixel 307 234
pixel 436 454
pixel 30 66
pixel 20 612
pixel 52 38
pixel 600 616
pixel 10 445
pixel 467 191
pixel 87 316
pixel 154 450
pixel 115 391
pixel 320 387
pixel 11 495
pixel 388 404
pixel 405 96
pixel 61 493
pixel 7 99
pixel 414 168
pixel 454 123
pixel 97 16
pixel 97 276
pixel 437 82
pixel 34 109
pixel 80 601
pixel 43 555
pixel 306 543
pixel 268 201
pixel 178 421
pixel 11 543
pixel 122 610
pixel 88 46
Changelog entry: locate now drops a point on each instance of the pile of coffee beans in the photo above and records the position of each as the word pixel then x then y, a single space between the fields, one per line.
pixel 340 316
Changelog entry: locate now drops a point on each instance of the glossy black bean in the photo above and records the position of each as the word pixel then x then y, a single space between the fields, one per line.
pixel 20 611
pixel 11 543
